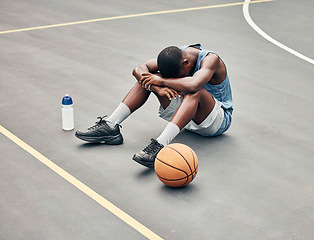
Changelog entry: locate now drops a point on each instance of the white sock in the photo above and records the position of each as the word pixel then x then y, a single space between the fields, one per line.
pixel 169 133
pixel 119 115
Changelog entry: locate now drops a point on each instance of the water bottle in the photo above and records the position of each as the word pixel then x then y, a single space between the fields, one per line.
pixel 67 113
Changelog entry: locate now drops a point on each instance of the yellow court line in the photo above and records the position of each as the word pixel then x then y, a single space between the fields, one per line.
pixel 81 186
pixel 129 16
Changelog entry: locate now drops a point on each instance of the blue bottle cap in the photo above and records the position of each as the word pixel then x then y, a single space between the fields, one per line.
pixel 67 100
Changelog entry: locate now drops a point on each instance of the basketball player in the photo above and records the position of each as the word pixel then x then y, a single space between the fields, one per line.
pixel 194 92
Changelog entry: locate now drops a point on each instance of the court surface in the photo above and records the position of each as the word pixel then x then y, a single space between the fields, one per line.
pixel 254 182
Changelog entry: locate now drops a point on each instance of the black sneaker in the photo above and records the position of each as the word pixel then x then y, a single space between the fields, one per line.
pixel 147 156
pixel 101 133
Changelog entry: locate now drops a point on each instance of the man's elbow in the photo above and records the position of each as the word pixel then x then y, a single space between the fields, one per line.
pixel 138 70
pixel 134 71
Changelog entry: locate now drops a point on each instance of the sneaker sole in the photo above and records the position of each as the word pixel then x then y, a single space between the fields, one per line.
pixel 144 163
pixel 110 140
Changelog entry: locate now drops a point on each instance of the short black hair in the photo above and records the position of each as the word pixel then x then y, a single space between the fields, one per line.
pixel 169 62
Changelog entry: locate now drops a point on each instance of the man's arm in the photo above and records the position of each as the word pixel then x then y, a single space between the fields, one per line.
pixel 186 84
pixel 150 66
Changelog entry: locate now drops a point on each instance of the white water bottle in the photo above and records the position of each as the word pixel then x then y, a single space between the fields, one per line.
pixel 67 113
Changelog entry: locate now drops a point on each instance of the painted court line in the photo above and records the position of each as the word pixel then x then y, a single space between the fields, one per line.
pixel 129 16
pixel 249 20
pixel 81 186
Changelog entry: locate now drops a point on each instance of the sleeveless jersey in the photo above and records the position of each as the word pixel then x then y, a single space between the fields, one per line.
pixel 222 92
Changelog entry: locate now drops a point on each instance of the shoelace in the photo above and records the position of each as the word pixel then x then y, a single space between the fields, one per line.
pixel 98 122
pixel 152 147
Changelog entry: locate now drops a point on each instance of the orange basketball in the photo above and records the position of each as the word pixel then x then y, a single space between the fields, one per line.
pixel 176 165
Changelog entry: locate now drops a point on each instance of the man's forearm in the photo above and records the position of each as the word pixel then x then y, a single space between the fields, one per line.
pixel 184 85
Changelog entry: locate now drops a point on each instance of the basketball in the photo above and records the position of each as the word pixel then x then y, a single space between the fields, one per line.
pixel 176 165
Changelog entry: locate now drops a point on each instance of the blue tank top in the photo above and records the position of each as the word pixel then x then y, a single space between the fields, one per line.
pixel 222 92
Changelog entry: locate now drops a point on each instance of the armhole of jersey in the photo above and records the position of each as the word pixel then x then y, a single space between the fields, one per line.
pixel 197 45
pixel 220 60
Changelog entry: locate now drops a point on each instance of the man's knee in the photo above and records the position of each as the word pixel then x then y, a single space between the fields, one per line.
pixel 195 95
pixel 201 97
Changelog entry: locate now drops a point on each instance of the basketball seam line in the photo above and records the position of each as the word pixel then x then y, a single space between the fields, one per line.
pixel 193 158
pixel 187 176
pixel 182 157
pixel 172 166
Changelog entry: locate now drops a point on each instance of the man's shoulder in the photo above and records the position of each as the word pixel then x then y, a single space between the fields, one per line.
pixel 210 59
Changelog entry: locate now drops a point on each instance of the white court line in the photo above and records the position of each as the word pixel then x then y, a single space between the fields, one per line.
pixel 267 37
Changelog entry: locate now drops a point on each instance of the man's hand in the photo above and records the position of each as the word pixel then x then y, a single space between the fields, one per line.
pixel 148 79
pixel 165 91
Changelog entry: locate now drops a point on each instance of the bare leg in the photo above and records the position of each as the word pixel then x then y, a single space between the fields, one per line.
pixel 196 107
pixel 108 131
pixel 136 97
pixel 164 101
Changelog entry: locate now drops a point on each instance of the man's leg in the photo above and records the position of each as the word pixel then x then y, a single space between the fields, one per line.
pixel 135 98
pixel 196 107
pixel 108 130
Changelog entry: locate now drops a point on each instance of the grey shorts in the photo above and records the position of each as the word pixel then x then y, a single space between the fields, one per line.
pixel 209 127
